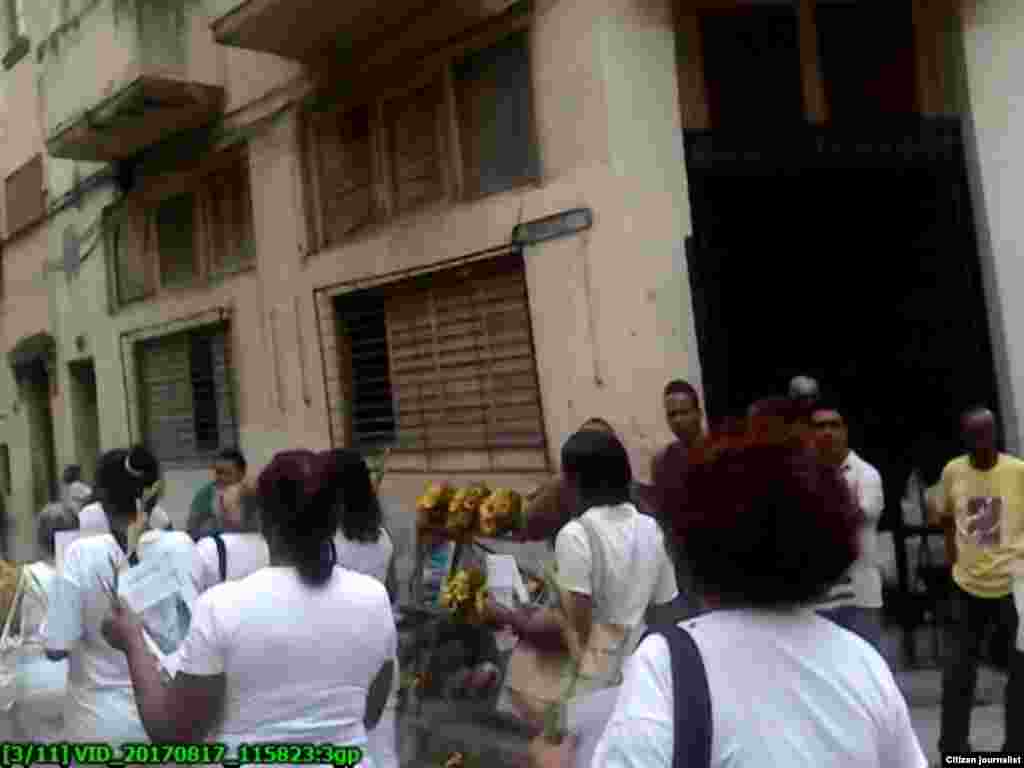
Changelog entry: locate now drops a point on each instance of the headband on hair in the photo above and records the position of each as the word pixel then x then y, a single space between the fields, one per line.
pixel 130 469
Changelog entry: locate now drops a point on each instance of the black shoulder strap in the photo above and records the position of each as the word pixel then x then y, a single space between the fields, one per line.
pixel 222 555
pixel 122 542
pixel 692 715
pixel 334 551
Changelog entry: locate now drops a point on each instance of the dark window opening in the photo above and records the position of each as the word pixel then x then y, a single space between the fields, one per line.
pixel 752 67
pixel 865 81
pixel 493 98
pixel 371 409
pixel 175 231
pixel 204 394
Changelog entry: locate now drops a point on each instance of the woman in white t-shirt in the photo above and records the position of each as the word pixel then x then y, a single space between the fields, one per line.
pixel 244 547
pixel 632 570
pixel 100 704
pixel 42 684
pixel 298 653
pixel 767 528
pixel 363 545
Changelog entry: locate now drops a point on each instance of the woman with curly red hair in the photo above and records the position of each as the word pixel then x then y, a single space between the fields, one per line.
pixel 766 528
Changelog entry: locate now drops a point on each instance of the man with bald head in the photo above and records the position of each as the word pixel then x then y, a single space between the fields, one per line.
pixel 982 511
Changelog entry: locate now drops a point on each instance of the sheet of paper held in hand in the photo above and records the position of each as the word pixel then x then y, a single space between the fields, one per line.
pixel 152 588
pixel 587 717
pixel 504 580
pixel 505 583
pixel 153 581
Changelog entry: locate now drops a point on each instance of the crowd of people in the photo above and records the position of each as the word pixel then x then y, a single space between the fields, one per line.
pixel 752 558
pixel 280 569
pixel 772 522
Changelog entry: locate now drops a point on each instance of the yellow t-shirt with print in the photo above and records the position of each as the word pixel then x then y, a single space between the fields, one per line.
pixel 984 571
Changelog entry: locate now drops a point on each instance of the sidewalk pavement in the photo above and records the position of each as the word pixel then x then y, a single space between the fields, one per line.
pixel 923 691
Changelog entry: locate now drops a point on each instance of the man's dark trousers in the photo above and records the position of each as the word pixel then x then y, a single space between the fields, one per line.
pixel 971 618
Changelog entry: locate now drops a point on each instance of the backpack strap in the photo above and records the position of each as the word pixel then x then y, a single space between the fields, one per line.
pixel 692 699
pixel 222 555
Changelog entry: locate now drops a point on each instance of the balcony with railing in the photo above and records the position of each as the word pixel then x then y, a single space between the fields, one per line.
pixel 354 29
pixel 126 74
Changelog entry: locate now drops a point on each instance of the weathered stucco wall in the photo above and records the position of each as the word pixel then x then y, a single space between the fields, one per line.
pixel 610 307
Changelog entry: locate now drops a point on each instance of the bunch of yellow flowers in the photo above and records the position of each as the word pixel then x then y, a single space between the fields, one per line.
pixel 465 594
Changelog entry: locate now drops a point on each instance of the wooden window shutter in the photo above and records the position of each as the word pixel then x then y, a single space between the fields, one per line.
pixel 345 159
pixel 131 248
pixel 415 125
pixel 26 196
pixel 228 197
pixel 187 394
pixel 462 362
pixel 494 103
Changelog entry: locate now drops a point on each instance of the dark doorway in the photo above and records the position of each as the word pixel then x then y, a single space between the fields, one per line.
pixel 85 409
pixel 36 390
pixel 850 257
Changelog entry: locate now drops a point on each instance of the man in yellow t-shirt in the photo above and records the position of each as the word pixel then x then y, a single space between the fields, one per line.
pixel 982 510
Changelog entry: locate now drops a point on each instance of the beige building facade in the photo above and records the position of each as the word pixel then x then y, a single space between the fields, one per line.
pixel 340 240
pixel 220 232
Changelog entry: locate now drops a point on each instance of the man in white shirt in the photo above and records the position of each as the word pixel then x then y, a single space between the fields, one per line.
pixel 856 601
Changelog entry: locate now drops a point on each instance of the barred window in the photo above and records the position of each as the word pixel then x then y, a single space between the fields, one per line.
pixel 443 363
pixel 186 395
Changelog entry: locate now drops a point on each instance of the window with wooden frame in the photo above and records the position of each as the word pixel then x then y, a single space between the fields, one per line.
pixel 443 363
pixel 344 163
pixel 203 231
pixel 463 129
pixel 186 395
pixel 25 196
pixel 416 135
pixel 226 196
pixel 494 101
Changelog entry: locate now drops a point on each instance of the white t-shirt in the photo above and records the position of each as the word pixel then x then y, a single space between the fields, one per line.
pixel 92 519
pixel 42 684
pixel 246 553
pixel 100 705
pixel 298 661
pixel 372 558
pixel 640 572
pixel 787 689
pixel 862 584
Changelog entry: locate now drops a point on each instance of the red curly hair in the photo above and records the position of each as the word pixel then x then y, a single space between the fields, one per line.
pixel 759 519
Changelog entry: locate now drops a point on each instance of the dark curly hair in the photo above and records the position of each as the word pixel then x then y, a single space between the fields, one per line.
pixel 361 515
pixel 761 521
pixel 122 476
pixel 300 493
